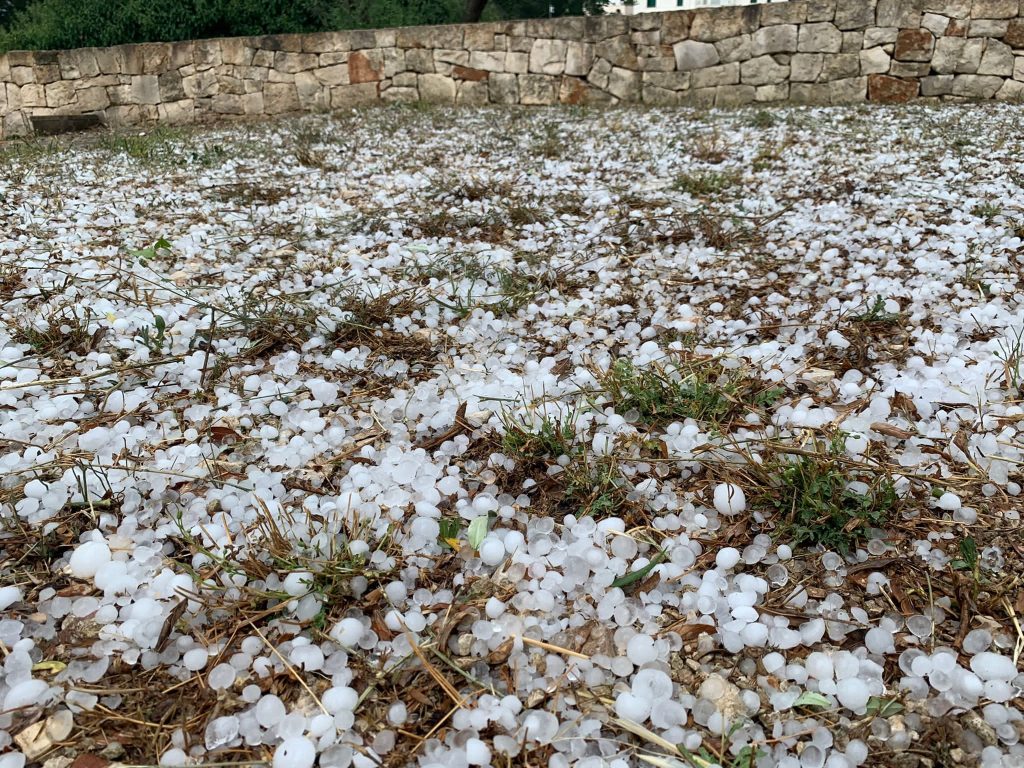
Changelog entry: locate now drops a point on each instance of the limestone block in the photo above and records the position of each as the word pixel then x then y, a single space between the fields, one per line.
pixel 437 88
pixel 977 86
pixel 891 90
pixel 451 57
pixel 729 96
pixel 625 84
pixel 404 80
pixel 1012 90
pixel 472 93
pixel 661 97
pixel 93 99
pixel 848 91
pixel 60 94
pixel 334 75
pixel 733 48
pixel 995 9
pixel 909 69
pixel 400 94
pixel 422 60
pixel 997 60
pixel 806 93
pixel 821 10
pixel 701 98
pixel 170 87
pixel 394 61
pixel 518 63
pixel 711 25
pixel 914 45
pixel 766 93
pixel 145 89
pixel 77 64
pixel 235 50
pixel 806 67
pixel 723 74
pixel 670 81
pixel 468 73
pixel 821 37
pixel 599 73
pixel 619 51
pixel 857 14
pixel 312 95
pixel 853 41
pixel 207 54
pixel 646 37
pixel 547 57
pixel 793 12
pixel 988 27
pixel 33 95
pixel 1014 36
pixel 675 26
pixel 492 61
pixel 658 64
pixel 279 98
pixel 365 66
pixel 874 36
pixel 579 57
pixel 293 63
pixel 23 75
pixel 763 71
pixel 954 9
pixel 780 38
pixel 347 96
pixel 1018 68
pixel 228 104
pixel 691 54
pixel 479 37
pixel 503 88
pixel 538 90
pixel 937 85
pixel 935 23
pixel 905 14
pixel 874 61
pixel 839 66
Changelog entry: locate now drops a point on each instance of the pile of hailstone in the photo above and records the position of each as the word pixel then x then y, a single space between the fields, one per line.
pixel 310 453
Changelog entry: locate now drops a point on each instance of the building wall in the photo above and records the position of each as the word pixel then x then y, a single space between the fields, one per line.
pixel 660 6
pixel 803 52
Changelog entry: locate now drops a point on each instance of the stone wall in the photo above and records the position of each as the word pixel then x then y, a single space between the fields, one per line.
pixel 804 51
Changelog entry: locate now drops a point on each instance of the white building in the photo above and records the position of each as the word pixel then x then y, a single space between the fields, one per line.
pixel 645 6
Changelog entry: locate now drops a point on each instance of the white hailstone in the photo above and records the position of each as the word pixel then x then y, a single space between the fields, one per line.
pixel 652 685
pixel 222 676
pixel 853 693
pixel 340 698
pixel 727 558
pixel 24 694
pixel 993 666
pixel 641 650
pixel 9 596
pixel 297 583
pixel 977 640
pixel 494 608
pixel 88 558
pixel 772 662
pixel 195 659
pixel 477 753
pixel 221 731
pixel 174 757
pixel 856 444
pixel 492 551
pixel 948 501
pixel 348 632
pixel 540 726
pixel 729 499
pixel 397 713
pixel 879 641
pixel 819 666
pixel 631 707
pixel 270 711
pixel 296 752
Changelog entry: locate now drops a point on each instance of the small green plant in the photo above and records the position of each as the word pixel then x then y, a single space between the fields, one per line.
pixel 813 494
pixel 149 147
pixel 877 313
pixel 986 211
pixel 762 119
pixel 155 338
pixel 550 438
pixel 706 183
pixel 1011 354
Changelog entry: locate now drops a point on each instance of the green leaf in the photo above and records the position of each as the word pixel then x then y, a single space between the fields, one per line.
pixel 883 707
pixel 812 700
pixel 477 531
pixel 638 575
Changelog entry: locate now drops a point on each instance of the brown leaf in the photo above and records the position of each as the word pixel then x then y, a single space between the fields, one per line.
pixel 169 622
pixel 89 761
pixel 690 631
pixel 500 654
pixel 891 431
pixel 222 434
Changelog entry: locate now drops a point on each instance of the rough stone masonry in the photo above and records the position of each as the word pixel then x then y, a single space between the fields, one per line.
pixel 804 51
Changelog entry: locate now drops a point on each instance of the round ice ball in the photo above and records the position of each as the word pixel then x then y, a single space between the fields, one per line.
pixel 729 499
pixel 727 558
pixel 949 502
pixel 640 650
pixel 88 558
pixel 993 666
pixel 492 551
pixel 348 632
pixel 296 752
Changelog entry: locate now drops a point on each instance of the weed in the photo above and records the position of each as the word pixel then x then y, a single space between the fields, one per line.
pixel 1011 354
pixel 155 338
pixel 525 442
pixel 706 183
pixel 63 330
pixel 306 153
pixel 697 389
pixel 762 119
pixel 153 146
pixel 986 211
pixel 877 313
pixel 815 496
pixel 710 147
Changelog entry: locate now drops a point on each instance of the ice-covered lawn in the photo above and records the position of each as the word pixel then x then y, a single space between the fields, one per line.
pixel 539 438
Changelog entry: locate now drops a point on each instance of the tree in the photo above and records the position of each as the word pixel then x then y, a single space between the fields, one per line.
pixel 529 9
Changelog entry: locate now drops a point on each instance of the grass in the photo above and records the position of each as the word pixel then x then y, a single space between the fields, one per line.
pixel 703 390
pixel 706 183
pixel 811 494
pixel 163 145
pixel 877 313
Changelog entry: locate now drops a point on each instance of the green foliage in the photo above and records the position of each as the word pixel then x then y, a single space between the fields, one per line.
pixel 550 438
pixel 820 509
pixel 877 313
pixel 54 24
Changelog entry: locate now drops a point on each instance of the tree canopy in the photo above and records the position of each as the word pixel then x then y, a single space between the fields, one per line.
pixel 49 24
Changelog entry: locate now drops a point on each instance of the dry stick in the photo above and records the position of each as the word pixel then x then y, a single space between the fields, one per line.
pixel 550 647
